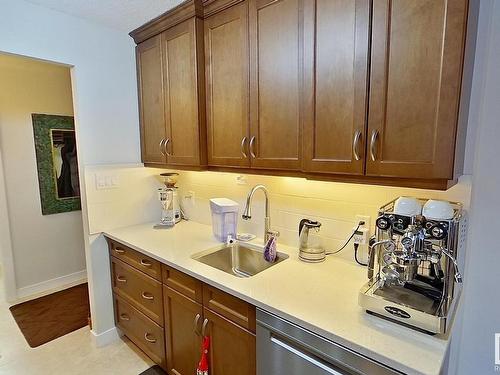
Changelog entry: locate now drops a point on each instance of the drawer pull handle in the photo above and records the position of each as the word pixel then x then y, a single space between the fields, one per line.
pixel 196 321
pixel 145 263
pixel 124 317
pixel 147 296
pixel 204 327
pixel 148 339
pixel 121 279
pixel 119 250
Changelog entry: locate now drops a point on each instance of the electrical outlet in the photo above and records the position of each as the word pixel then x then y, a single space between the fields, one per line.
pixel 364 218
pixel 361 235
pixel 241 180
pixel 190 195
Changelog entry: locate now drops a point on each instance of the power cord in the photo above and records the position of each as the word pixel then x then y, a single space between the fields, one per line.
pixel 348 240
pixel 356 246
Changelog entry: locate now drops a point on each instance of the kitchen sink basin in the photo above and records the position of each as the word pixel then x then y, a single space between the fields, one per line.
pixel 242 260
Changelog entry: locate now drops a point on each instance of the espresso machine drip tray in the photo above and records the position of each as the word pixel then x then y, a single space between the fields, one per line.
pixel 407 297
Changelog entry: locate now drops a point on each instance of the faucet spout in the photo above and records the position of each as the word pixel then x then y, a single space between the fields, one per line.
pixel 247 213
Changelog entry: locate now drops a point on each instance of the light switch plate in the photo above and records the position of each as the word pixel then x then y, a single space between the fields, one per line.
pixel 105 181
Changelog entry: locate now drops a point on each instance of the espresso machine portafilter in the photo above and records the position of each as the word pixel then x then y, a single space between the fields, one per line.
pixel 413 268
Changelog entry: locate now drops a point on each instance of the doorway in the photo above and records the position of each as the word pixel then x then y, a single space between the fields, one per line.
pixel 42 239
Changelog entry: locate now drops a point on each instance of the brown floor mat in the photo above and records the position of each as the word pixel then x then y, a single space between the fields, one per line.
pixel 47 318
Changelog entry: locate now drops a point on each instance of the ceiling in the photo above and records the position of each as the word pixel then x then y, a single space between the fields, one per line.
pixel 124 15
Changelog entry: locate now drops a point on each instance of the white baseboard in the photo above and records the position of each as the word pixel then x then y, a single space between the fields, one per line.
pixel 106 337
pixel 51 286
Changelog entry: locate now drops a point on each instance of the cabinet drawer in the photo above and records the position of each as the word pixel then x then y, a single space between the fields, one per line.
pixel 141 330
pixel 136 259
pixel 230 307
pixel 138 289
pixel 184 284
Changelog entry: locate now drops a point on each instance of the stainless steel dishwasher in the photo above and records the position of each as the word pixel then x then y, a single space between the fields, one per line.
pixel 284 348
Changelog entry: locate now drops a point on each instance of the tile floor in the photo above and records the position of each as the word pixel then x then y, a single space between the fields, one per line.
pixel 73 354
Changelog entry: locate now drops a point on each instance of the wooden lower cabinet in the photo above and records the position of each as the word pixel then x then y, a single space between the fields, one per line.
pixel 141 330
pixel 232 348
pixel 138 289
pixel 183 342
pixel 166 320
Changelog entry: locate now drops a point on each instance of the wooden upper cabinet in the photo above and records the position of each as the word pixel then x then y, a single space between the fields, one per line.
pixel 335 70
pixel 183 84
pixel 226 64
pixel 150 88
pixel 417 53
pixel 275 83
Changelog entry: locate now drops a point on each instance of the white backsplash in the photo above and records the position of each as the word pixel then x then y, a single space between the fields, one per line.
pixel 335 205
pixel 132 200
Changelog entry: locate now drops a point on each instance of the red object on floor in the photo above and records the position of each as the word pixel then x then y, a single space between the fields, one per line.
pixel 203 365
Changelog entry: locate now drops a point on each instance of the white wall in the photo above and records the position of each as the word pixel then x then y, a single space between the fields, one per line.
pixel 481 300
pixel 104 96
pixel 105 88
pixel 48 251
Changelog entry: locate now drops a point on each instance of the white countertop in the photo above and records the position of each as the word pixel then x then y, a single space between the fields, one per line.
pixel 320 297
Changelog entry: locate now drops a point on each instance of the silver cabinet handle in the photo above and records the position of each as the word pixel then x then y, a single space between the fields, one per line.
pixel 147 296
pixel 252 142
pixel 148 339
pixel 121 279
pixel 305 356
pixel 243 141
pixel 166 147
pixel 196 321
pixel 119 250
pixel 204 327
pixel 161 147
pixel 145 263
pixel 373 143
pixel 355 145
pixel 124 317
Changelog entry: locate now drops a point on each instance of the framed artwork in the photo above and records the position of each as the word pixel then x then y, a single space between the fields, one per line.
pixel 57 163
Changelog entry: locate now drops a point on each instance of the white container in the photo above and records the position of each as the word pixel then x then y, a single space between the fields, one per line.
pixel 407 206
pixel 224 218
pixel 438 210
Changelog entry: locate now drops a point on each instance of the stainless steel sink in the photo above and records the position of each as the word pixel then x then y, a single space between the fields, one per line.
pixel 242 260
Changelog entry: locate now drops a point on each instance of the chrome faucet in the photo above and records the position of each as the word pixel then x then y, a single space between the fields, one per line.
pixel 247 213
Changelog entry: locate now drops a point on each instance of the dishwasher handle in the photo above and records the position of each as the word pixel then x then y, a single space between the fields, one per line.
pixel 305 356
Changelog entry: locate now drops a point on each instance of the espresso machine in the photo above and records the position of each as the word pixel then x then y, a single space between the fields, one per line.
pixel 413 267
pixel 169 199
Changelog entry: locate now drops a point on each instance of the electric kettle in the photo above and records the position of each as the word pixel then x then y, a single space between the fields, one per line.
pixel 310 249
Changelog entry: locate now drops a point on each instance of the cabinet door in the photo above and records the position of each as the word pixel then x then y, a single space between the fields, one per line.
pixel 275 83
pixel 416 67
pixel 226 62
pixel 336 65
pixel 182 343
pixel 232 348
pixel 184 119
pixel 150 87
